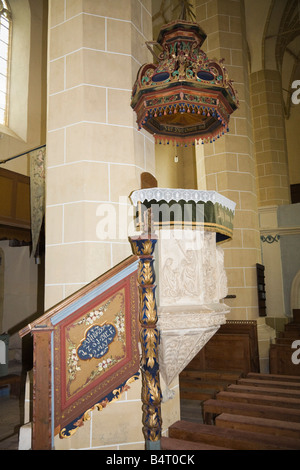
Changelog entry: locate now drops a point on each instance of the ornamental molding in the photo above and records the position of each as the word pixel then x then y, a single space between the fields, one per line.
pixel 279 231
pixel 187 195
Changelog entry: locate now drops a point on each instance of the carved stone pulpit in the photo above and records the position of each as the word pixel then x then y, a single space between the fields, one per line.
pixel 190 225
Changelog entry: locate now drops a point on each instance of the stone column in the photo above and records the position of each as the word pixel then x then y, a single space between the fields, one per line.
pixel 229 162
pixel 95 154
pixel 270 138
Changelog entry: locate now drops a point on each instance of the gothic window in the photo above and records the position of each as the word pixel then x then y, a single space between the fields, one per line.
pixel 5 35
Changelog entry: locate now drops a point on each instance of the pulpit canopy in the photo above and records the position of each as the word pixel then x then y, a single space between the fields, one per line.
pixel 185 97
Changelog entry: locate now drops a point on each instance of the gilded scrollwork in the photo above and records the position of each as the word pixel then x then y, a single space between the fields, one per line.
pixel 149 336
pixel 148 309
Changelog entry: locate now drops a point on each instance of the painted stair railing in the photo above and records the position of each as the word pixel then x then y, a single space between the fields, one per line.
pixel 86 350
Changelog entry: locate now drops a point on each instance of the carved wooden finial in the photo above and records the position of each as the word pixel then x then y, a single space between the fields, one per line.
pixel 186 10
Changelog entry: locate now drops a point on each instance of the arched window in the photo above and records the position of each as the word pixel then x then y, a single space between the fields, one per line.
pixel 5 35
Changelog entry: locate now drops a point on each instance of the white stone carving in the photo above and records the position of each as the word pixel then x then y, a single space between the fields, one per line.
pixel 191 270
pixel 192 284
pixel 183 333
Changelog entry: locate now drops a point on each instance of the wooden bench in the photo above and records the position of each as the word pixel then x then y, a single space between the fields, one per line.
pixel 230 438
pixel 280 358
pixel 169 443
pixel 191 382
pixel 278 392
pixel 197 394
pixel 262 425
pixel 14 381
pixel 276 377
pixel 269 383
pixel 228 376
pixel 213 407
pixel 268 400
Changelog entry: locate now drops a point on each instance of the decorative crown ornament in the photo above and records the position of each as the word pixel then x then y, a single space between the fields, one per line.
pixel 185 97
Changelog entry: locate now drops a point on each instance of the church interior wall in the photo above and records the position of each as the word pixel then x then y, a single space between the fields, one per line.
pixel 95 157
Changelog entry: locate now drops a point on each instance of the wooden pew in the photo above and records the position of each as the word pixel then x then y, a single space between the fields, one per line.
pixel 197 394
pixel 257 399
pixel 228 376
pixel 279 392
pixel 276 377
pixel 189 382
pixel 169 443
pixel 262 425
pixel 269 383
pixel 213 407
pixel 280 356
pixel 230 438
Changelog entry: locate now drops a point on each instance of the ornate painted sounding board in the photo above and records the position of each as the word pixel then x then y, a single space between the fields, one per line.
pixel 85 352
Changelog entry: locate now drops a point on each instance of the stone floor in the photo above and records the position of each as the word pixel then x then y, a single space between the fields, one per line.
pixel 10 419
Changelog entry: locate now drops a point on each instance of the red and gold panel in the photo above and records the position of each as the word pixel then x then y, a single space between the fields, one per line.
pixel 95 350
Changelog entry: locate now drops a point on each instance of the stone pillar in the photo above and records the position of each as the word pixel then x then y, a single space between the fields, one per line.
pixel 229 162
pixel 270 138
pixel 95 154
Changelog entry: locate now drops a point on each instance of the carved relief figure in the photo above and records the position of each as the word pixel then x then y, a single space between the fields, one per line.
pixel 170 279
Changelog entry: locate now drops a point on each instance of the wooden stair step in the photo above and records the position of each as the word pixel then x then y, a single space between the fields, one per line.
pixel 283 402
pixel 276 377
pixel 230 438
pixel 169 443
pixel 214 407
pixel 280 392
pixel 255 424
pixel 269 383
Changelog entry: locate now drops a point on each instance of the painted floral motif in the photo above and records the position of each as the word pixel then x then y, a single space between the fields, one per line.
pixel 72 361
pixel 94 315
pixel 103 366
pixel 120 325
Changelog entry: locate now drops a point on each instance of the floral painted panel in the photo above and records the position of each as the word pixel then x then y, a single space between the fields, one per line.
pixel 96 350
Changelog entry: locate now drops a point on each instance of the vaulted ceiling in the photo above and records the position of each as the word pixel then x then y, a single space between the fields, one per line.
pixel 273 35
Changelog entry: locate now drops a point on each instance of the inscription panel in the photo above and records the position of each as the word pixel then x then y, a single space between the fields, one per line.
pixel 96 350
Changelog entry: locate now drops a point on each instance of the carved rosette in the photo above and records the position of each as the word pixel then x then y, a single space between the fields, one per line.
pixel 144 247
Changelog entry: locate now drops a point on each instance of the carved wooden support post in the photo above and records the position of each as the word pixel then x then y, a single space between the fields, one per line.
pixel 41 429
pixel 143 247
